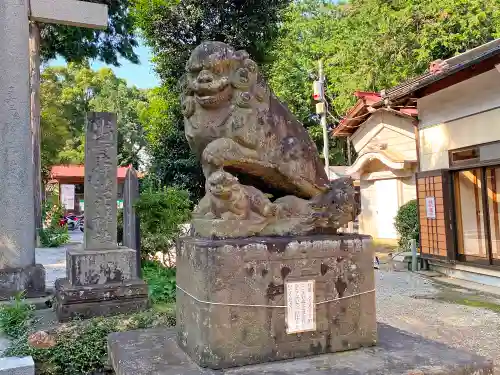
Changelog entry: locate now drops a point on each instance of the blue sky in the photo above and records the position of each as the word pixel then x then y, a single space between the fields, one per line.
pixel 142 75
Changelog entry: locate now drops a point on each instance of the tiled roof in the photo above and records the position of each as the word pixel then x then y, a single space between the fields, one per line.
pixel 444 69
pixel 67 171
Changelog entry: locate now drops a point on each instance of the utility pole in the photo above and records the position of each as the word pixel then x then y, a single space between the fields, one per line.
pixel 319 97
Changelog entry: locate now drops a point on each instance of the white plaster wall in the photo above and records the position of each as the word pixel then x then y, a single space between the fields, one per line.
pixel 475 95
pixel 384 127
pixel 408 190
pixel 462 115
pixel 366 131
pixel 367 218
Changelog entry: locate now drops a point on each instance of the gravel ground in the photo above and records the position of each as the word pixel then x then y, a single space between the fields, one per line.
pixel 405 301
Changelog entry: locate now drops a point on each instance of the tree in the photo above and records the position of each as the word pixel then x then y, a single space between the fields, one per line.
pixel 371 44
pixel 79 44
pixel 173 29
pixel 173 164
pixel 67 93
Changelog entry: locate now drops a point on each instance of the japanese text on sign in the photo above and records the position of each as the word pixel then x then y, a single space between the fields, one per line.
pixel 68 196
pixel 430 207
pixel 300 307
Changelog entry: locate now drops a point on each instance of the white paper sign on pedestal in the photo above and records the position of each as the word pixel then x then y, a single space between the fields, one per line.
pixel 68 196
pixel 300 307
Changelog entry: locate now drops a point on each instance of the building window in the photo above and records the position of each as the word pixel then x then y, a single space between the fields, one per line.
pixel 464 156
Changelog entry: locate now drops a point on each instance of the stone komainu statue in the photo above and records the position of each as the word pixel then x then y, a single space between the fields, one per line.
pixel 252 149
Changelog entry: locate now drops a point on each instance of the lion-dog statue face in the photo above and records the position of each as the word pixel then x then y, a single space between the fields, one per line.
pixel 217 76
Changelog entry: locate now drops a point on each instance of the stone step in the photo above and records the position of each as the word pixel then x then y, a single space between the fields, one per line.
pixel 40 303
pixel 17 366
pixel 155 351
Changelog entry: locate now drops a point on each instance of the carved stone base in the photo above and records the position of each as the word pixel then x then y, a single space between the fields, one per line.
pixel 89 267
pixel 30 279
pixel 254 271
pixel 100 283
pixel 99 300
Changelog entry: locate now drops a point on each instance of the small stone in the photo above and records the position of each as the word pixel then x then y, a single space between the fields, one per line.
pixel 41 340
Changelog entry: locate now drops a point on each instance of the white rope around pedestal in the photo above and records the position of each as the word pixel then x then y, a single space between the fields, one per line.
pixel 269 306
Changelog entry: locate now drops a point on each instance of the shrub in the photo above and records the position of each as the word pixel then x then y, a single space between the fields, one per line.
pixel 81 346
pixel 161 214
pixel 161 281
pixel 52 234
pixel 15 317
pixel 119 226
pixel 406 223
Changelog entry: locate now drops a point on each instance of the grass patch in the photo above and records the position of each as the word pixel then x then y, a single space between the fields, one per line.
pixel 16 317
pixel 81 346
pixel 161 281
pixel 473 303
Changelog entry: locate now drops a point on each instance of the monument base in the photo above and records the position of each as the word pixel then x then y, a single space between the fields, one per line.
pixel 99 300
pixel 233 296
pixel 30 279
pixel 100 283
pixel 155 351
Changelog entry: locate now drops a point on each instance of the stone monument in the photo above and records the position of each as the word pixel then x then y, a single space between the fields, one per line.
pixel 102 277
pixel 18 270
pixel 131 225
pixel 264 276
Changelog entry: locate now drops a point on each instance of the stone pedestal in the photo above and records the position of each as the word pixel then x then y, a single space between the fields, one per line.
pixel 100 283
pixel 254 271
pixel 30 279
pixel 154 351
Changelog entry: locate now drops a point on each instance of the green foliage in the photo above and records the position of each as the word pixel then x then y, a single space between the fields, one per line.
pixel 173 163
pixel 52 234
pixel 369 45
pixel 67 93
pixel 81 346
pixel 119 226
pixel 78 44
pixel 15 317
pixel 161 214
pixel 173 28
pixel 161 281
pixel 406 223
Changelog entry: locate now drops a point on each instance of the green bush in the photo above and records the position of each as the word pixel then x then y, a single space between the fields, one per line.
pixel 161 214
pixel 81 346
pixel 161 281
pixel 52 234
pixel 406 223
pixel 16 316
pixel 119 226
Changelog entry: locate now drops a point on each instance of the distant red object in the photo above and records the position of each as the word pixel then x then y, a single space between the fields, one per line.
pixel 78 171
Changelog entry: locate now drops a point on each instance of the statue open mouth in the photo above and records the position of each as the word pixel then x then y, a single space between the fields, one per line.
pixel 208 95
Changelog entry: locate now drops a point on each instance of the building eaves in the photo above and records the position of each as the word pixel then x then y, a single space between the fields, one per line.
pixel 454 65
